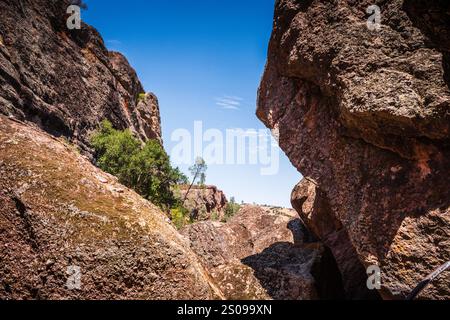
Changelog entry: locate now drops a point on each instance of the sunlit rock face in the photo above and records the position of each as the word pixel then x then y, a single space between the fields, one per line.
pixel 364 115
pixel 65 80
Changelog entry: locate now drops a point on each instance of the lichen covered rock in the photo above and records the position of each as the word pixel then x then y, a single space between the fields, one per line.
pixel 70 231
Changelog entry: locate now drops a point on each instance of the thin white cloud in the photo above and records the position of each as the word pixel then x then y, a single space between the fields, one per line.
pixel 228 107
pixel 235 98
pixel 229 102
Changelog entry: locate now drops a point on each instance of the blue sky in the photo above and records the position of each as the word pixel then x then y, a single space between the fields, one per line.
pixel 204 60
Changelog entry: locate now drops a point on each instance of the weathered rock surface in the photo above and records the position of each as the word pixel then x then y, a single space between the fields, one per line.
pixel 365 116
pixel 204 202
pixel 58 213
pixel 316 214
pixel 262 253
pixel 65 80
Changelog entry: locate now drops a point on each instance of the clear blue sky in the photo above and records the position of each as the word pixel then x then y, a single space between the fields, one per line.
pixel 193 55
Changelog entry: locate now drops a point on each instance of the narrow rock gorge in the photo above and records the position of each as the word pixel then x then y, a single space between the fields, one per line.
pixel 265 253
pixel 364 115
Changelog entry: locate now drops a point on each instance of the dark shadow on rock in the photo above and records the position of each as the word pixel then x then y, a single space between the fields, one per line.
pixel 294 272
pixel 290 271
pixel 328 277
pixel 433 20
pixel 322 225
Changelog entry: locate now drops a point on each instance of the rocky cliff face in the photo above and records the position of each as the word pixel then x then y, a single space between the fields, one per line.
pixel 364 115
pixel 65 80
pixel 204 202
pixel 70 231
pixel 265 253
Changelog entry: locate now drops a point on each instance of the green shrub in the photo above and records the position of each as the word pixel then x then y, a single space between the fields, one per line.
pixel 231 209
pixel 141 97
pixel 144 167
pixel 180 217
pixel 214 216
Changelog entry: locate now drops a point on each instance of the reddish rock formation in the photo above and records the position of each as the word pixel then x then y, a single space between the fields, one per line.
pixel 204 202
pixel 261 253
pixel 66 81
pixel 365 115
pixel 58 212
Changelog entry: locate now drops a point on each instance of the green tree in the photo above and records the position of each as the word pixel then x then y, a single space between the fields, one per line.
pixel 114 150
pixel 198 171
pixel 181 177
pixel 231 209
pixel 144 167
pixel 179 217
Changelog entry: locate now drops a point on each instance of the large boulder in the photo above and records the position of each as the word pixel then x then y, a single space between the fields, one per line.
pixel 265 253
pixel 70 231
pixel 65 80
pixel 364 114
